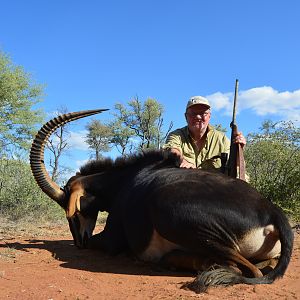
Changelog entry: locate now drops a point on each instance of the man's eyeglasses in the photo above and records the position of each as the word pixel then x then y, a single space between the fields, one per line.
pixel 202 114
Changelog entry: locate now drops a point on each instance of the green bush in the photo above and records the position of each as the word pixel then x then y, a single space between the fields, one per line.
pixel 20 197
pixel 273 164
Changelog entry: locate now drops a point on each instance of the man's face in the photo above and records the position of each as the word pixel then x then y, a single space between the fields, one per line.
pixel 198 117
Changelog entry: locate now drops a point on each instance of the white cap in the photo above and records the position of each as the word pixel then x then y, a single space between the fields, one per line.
pixel 197 100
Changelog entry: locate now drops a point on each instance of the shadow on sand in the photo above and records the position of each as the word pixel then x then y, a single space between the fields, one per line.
pixel 91 260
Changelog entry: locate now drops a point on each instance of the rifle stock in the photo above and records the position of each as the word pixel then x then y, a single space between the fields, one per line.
pixel 236 162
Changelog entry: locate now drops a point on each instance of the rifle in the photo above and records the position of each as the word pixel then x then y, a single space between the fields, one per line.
pixel 236 162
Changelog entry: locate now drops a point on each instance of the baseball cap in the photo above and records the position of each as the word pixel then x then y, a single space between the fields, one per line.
pixel 197 100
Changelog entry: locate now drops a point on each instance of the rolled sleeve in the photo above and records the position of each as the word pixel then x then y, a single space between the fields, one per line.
pixel 174 141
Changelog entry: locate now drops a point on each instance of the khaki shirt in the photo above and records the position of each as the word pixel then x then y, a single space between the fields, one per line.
pixel 209 157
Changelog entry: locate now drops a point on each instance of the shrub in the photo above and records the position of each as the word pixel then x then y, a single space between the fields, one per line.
pixel 20 197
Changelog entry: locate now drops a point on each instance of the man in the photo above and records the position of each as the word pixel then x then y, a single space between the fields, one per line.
pixel 198 144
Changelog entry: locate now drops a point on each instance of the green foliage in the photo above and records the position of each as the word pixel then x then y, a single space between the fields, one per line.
pixel 17 97
pixel 273 163
pixel 20 197
pixel 98 137
pixel 139 124
pixel 121 137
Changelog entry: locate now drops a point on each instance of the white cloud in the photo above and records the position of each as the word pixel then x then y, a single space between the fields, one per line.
pixel 220 101
pixel 262 101
pixel 76 140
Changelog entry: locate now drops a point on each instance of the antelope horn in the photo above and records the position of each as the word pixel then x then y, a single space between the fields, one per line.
pixel 37 165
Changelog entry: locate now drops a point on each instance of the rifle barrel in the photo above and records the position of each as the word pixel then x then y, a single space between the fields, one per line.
pixel 235 101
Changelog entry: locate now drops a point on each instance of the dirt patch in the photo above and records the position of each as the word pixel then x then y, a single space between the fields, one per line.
pixel 48 266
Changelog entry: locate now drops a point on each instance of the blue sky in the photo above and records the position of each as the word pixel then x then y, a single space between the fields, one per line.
pixel 92 54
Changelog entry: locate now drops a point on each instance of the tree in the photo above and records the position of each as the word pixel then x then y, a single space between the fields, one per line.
pixel 121 137
pixel 143 121
pixel 18 95
pixel 98 138
pixel 273 163
pixel 58 145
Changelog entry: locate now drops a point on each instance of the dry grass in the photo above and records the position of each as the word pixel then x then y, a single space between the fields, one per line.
pixel 25 227
pixel 8 253
pixel 37 227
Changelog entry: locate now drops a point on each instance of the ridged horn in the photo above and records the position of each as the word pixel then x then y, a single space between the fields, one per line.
pixel 37 150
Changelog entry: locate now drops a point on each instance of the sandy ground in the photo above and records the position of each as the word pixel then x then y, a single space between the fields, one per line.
pixel 46 265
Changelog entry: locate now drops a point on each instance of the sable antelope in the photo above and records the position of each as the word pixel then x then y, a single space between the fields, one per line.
pixel 185 218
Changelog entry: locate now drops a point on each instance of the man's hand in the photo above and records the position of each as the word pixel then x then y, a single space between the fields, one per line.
pixel 240 139
pixel 187 165
pixel 183 163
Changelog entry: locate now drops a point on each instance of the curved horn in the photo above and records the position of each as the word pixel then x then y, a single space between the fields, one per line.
pixel 37 165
